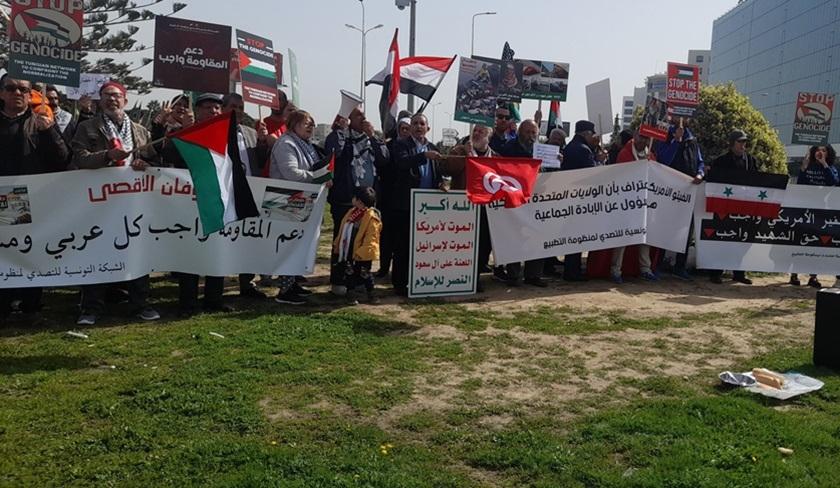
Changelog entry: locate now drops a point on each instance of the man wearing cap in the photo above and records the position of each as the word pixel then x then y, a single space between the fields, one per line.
pixel 107 140
pixel 737 158
pixel 29 144
pixel 359 156
pixel 579 154
pixel 681 152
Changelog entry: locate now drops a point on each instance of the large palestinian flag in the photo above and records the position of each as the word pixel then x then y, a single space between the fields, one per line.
pixel 257 69
pixel 211 152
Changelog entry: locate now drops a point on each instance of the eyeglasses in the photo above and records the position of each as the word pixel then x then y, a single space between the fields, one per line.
pixel 309 125
pixel 116 95
pixel 17 88
pixel 502 116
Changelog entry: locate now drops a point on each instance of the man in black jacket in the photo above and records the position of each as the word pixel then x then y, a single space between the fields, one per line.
pixel 415 166
pixel 737 158
pixel 29 144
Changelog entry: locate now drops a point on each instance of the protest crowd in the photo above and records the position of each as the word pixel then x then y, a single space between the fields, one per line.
pixel 369 193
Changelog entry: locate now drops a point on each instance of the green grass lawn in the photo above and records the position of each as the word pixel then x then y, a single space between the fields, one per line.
pixel 341 399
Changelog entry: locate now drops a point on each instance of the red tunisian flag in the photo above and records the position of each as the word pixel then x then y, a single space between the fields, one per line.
pixel 508 179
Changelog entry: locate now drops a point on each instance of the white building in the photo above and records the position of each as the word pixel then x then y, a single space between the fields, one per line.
pixel 628 105
pixel 701 58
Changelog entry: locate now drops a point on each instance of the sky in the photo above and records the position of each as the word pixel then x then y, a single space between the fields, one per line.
pixel 621 40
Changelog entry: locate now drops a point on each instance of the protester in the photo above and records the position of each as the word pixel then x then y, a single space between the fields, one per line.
pixel 623 138
pixel 294 158
pixel 62 117
pixel 173 116
pixel 276 123
pixel 108 140
pixel 29 144
pixel 356 244
pixel 578 154
pixel 478 145
pixel 817 169
pixel 681 152
pixel 557 137
pixel 386 188
pixel 736 158
pixel 415 166
pixel 523 147
pixel 254 150
pixel 500 135
pixel 636 149
pixel 359 156
pixel 86 110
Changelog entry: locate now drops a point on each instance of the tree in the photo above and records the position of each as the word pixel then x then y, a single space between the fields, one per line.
pixel 723 109
pixel 110 26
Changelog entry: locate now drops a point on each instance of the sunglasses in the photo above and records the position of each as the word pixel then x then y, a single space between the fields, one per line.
pixel 17 88
pixel 505 117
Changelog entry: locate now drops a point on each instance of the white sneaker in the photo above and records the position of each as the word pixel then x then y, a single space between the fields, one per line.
pixel 86 320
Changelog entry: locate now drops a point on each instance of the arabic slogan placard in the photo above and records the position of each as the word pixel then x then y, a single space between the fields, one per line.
pixel 116 224
pixel 596 208
pixel 444 244
pixel 191 55
pixel 805 238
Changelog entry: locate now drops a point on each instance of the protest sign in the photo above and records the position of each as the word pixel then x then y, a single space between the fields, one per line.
pixel 478 85
pixel 256 69
pixel 191 55
pixel 596 208
pixel 812 122
pixel 511 83
pixel 548 154
pixel 89 85
pixel 804 238
pixel 115 224
pixel 683 93
pixel 599 106
pixel 45 43
pixel 655 119
pixel 295 75
pixel 444 244
pixel 545 80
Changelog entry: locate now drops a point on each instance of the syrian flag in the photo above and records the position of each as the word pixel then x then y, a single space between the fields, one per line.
pixel 738 192
pixel 389 78
pixel 553 116
pixel 211 151
pixel 508 179
pixel 419 75
pixel 325 173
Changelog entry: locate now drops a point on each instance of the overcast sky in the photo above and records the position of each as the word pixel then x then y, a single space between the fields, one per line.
pixel 621 40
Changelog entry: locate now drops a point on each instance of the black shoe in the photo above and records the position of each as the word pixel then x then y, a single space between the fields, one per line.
pixel 290 298
pixel 382 273
pixel 185 313
pixel 536 281
pixel 218 307
pixel 253 294
pixel 401 291
pixel 299 290
pixel 716 279
pixel 485 269
pixel 742 279
pixel 499 274
pixel 814 282
pixel 300 279
pixel 372 299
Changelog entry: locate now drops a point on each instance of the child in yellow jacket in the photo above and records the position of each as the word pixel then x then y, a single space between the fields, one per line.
pixel 357 244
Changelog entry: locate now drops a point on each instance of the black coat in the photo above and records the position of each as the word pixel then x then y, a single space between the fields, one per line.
pixel 31 151
pixel 513 149
pixel 578 155
pixel 730 161
pixel 405 169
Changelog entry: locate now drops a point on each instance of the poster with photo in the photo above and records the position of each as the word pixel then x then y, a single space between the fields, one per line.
pixel 544 80
pixel 478 86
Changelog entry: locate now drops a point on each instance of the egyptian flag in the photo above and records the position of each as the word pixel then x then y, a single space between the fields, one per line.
pixel 389 78
pixel 508 179
pixel 422 75
pixel 553 116
pixel 740 192
pixel 211 151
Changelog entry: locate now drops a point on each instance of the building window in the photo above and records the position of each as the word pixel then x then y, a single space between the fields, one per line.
pixel 698 59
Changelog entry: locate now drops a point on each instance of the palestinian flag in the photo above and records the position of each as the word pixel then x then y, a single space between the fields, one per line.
pixel 211 151
pixel 553 117
pixel 39 24
pixel 739 192
pixel 325 173
pixel 256 70
pixel 685 72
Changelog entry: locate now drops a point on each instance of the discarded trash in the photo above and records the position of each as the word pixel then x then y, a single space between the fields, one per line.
pixel 77 335
pixel 785 451
pixel 792 383
pixel 106 366
pixel 216 334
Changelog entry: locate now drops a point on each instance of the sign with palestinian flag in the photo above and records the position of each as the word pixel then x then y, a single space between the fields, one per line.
pixel 738 192
pixel 45 42
pixel 812 122
pixel 211 152
pixel 257 70
pixel 191 55
pixel 683 92
pixel 508 179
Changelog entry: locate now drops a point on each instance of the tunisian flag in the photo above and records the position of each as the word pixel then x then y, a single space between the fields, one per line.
pixel 508 179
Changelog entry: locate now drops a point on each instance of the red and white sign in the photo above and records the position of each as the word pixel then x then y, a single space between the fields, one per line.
pixel 683 91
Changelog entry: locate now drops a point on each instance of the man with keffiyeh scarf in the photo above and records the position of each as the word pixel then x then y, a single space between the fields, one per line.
pixel 359 159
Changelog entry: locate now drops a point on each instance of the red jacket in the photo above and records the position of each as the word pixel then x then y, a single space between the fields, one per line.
pixel 626 154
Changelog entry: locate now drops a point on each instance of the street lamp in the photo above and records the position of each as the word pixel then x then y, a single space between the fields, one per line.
pixel 472 37
pixel 364 33
pixel 412 4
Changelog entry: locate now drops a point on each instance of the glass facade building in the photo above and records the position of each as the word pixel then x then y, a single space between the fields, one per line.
pixel 774 49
